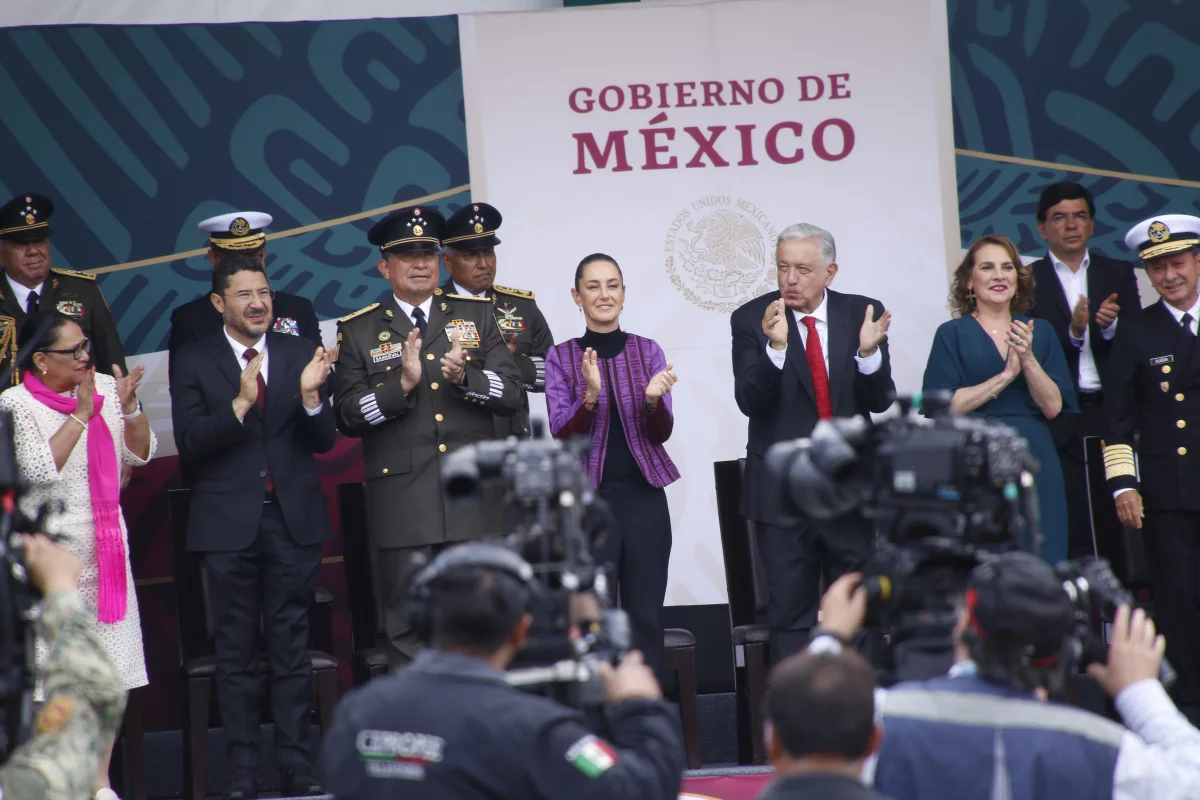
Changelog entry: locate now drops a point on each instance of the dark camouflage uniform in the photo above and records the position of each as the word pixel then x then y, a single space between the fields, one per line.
pixel 85 699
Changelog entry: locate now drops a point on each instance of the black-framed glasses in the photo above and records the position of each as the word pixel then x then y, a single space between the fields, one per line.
pixel 77 352
pixel 245 295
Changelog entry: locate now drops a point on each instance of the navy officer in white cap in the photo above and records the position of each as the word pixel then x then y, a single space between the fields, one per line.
pixel 239 232
pixel 1152 407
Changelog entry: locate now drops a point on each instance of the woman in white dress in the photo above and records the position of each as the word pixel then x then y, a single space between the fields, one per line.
pixel 73 428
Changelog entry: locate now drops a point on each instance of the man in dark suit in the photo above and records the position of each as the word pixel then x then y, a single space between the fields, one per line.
pixel 469 253
pixel 803 354
pixel 249 413
pixel 418 376
pixel 1081 295
pixel 239 232
pixel 1152 403
pixel 822 727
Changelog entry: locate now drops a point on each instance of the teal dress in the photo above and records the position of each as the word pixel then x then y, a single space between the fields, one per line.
pixel 963 355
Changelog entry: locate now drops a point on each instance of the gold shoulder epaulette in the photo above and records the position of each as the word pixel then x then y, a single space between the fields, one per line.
pixel 514 292
pixel 468 297
pixel 87 276
pixel 358 313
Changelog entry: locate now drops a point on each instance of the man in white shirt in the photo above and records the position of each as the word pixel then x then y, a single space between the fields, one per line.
pixel 1081 294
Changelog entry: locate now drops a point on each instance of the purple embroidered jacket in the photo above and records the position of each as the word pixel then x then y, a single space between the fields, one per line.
pixel 627 373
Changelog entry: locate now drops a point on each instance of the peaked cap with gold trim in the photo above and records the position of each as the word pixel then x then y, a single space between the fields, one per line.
pixel 1163 235
pixel 237 232
pixel 409 230
pixel 26 218
pixel 473 227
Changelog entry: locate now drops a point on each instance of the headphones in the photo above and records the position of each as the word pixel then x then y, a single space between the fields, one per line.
pixel 476 555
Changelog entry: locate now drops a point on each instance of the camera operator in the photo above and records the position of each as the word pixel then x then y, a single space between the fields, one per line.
pixel 985 730
pixel 450 726
pixel 85 695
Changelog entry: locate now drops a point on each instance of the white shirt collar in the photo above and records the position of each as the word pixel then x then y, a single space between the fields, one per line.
pixel 460 290
pixel 821 312
pixel 1178 315
pixel 407 308
pixel 22 292
pixel 1060 266
pixel 239 348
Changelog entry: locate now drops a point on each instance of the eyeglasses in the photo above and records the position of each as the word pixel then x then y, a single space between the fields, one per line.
pixel 77 352
pixel 1080 217
pixel 245 296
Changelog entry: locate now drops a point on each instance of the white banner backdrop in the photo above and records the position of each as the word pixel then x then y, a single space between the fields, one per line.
pixel 680 139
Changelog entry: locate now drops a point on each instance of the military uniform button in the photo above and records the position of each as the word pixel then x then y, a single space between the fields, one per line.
pixel 1166 369
pixel 385 470
pixel 434 386
pixel 1182 451
pixel 379 386
pixel 437 417
pixel 1181 424
pixel 429 356
pixel 441 448
pixel 387 369
pixel 1179 397
pixel 468 358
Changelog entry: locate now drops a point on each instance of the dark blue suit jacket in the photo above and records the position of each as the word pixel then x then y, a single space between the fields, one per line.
pixel 781 404
pixel 229 460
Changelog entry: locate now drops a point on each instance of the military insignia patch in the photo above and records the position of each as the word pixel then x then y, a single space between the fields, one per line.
pixel 478 228
pixel 333 354
pixel 1164 386
pixel 386 352
pixel 55 714
pixel 443 308
pixel 287 325
pixel 592 756
pixel 418 230
pixel 468 334
pixel 29 219
pixel 1154 362
pixel 239 227
pixel 510 322
pixel 1159 232
pixel 384 336
pixel 72 308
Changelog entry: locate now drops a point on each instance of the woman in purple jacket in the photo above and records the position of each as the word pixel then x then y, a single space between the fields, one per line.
pixel 588 379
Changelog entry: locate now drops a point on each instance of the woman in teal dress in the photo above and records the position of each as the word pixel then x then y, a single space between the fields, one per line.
pixel 998 367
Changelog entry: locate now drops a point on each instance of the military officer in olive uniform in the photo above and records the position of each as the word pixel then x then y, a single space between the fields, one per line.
pixel 32 285
pixel 418 375
pixel 1152 404
pixel 469 253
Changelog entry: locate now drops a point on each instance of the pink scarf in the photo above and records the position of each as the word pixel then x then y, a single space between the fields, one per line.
pixel 104 483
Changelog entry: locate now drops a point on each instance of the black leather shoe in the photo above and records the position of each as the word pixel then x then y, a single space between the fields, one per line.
pixel 298 781
pixel 243 786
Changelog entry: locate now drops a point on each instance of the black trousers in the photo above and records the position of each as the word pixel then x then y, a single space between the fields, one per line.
pixel 639 549
pixel 795 559
pixel 394 571
pixel 1172 540
pixel 269 585
pixel 1080 540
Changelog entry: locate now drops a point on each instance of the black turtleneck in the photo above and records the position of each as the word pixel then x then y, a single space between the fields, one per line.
pixel 619 463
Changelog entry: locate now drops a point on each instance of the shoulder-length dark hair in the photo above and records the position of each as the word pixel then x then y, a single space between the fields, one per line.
pixel 962 304
pixel 45 327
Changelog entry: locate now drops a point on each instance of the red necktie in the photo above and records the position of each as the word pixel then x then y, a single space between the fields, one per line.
pixel 261 402
pixel 816 365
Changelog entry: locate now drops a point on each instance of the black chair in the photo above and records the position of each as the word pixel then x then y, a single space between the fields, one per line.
pixel 746 585
pixel 370 658
pixel 196 653
pixel 679 656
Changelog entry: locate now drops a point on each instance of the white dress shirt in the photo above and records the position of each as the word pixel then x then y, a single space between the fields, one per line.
pixel 22 292
pixel 261 346
pixel 867 366
pixel 407 308
pixel 465 293
pixel 1074 284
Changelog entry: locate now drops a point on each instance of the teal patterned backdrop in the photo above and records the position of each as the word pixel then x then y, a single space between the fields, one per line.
pixel 140 132
pixel 1102 84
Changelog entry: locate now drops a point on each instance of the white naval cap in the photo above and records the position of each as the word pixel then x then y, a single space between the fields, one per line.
pixel 241 230
pixel 1163 235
